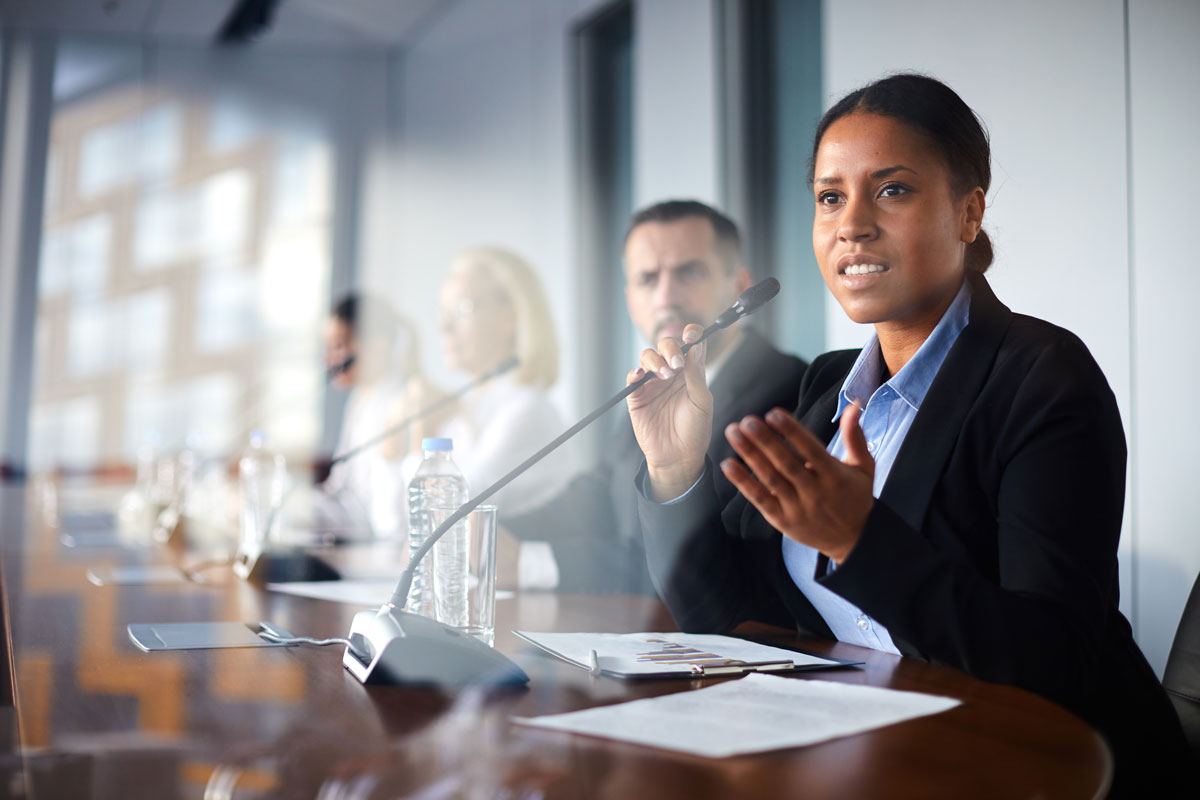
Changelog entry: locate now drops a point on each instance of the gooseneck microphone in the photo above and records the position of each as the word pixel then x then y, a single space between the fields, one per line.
pixel 262 566
pixel 396 646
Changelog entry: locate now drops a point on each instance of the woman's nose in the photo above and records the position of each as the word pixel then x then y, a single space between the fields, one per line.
pixel 858 222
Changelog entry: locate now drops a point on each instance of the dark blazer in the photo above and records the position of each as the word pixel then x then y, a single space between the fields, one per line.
pixel 992 547
pixel 592 525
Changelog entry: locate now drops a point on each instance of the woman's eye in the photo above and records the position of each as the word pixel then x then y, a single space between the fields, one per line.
pixel 893 190
pixel 827 198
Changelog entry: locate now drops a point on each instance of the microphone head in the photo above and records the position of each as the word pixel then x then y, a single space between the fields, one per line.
pixel 757 295
pixel 749 301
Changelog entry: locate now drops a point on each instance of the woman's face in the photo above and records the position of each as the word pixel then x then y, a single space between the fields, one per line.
pixel 889 230
pixel 477 323
pixel 339 346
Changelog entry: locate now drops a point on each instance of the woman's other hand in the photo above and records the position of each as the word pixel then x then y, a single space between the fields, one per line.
pixel 672 415
pixel 803 491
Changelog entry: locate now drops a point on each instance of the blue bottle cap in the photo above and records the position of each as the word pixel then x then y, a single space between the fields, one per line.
pixel 437 444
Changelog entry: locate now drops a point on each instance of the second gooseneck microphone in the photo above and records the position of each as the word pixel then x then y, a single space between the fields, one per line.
pixel 504 366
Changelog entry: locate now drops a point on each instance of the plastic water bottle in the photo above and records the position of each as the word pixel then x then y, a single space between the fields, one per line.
pixel 437 482
pixel 262 473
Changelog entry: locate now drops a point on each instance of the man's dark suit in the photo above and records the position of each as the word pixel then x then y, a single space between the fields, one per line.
pixel 592 525
pixel 992 547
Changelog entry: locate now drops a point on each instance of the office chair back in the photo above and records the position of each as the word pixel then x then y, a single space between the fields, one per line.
pixel 1182 676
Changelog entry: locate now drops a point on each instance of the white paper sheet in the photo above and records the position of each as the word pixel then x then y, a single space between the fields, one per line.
pixel 636 654
pixel 358 593
pixel 754 714
pixel 369 593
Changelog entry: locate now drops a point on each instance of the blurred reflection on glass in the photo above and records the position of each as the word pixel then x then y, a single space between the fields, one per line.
pixel 371 352
pixel 186 258
pixel 492 307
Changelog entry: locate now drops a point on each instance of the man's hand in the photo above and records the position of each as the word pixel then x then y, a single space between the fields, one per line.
pixel 803 491
pixel 672 415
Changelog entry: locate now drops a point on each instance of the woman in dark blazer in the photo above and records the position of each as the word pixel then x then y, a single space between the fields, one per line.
pixel 953 492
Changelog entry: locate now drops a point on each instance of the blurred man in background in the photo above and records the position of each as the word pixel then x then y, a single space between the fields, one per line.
pixel 683 264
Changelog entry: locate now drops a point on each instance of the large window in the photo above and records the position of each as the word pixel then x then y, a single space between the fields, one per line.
pixel 185 267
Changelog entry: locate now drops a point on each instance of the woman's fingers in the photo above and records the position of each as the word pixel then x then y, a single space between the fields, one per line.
pixel 671 349
pixel 799 437
pixel 761 450
pixel 748 485
pixel 857 454
pixel 783 456
pixel 653 361
pixel 693 369
pixel 669 358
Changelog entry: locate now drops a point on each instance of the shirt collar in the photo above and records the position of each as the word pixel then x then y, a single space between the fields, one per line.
pixel 712 367
pixel 913 380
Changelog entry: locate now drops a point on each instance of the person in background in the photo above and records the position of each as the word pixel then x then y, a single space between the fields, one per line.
pixel 371 352
pixel 683 264
pixel 492 307
pixel 952 492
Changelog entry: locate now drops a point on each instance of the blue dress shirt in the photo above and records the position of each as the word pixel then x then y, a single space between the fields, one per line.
pixel 887 416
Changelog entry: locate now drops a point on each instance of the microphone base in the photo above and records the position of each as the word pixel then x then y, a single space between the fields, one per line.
pixel 402 649
pixel 282 566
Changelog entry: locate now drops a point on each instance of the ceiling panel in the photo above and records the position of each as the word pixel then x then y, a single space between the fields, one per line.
pixel 79 16
pixel 189 19
pixel 382 23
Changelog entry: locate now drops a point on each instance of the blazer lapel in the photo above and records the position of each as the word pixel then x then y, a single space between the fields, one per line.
pixel 819 416
pixel 918 466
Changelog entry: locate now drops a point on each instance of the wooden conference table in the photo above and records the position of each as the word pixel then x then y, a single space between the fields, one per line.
pixel 91 716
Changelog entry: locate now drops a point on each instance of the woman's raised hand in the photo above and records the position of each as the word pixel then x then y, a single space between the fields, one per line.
pixel 804 492
pixel 672 415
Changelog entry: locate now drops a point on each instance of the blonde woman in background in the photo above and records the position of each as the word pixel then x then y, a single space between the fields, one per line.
pixel 492 307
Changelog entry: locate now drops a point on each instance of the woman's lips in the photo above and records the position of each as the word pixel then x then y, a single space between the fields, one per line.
pixel 862 276
pixel 864 269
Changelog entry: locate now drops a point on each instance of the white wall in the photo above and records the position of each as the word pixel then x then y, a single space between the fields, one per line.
pixel 481 157
pixel 676 98
pixel 1049 82
pixel 482 148
pixel 1165 160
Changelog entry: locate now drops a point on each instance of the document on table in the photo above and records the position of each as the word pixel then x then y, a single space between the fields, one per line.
pixel 754 714
pixel 353 592
pixel 666 655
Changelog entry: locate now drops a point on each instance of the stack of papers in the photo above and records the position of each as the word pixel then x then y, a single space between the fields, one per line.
pixel 752 715
pixel 665 655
